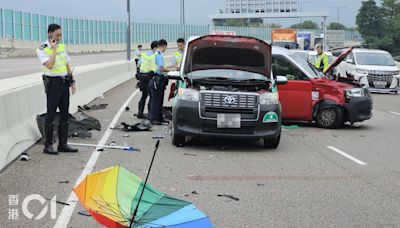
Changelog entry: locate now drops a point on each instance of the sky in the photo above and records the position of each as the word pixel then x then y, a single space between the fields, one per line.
pixel 167 11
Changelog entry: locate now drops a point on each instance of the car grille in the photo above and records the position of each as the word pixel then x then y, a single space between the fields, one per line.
pixel 245 104
pixel 217 100
pixel 380 76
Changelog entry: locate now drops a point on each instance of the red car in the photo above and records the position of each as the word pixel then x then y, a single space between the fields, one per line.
pixel 310 96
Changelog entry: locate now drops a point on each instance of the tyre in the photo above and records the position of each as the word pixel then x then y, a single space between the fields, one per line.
pixel 177 139
pixel 272 143
pixel 329 117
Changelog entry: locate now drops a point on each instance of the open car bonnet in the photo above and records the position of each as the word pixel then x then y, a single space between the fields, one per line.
pixel 338 60
pixel 228 52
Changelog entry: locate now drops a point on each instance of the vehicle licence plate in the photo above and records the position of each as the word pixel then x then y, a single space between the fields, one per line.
pixel 228 120
pixel 379 84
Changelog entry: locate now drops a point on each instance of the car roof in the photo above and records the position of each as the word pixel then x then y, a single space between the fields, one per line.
pixel 369 50
pixel 192 38
pixel 280 50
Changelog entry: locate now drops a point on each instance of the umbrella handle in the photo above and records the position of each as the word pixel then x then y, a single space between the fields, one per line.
pixel 145 183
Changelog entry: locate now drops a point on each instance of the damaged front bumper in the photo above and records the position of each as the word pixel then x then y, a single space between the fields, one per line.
pixel 359 108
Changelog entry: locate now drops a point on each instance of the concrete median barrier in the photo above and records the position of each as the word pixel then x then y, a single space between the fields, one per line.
pixel 22 98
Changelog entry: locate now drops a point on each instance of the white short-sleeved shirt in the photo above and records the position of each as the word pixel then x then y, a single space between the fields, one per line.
pixel 44 57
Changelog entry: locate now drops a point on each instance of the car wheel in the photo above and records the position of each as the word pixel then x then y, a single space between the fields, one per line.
pixel 272 143
pixel 177 139
pixel 329 117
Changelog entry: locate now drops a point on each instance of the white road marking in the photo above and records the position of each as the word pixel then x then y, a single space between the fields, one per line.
pixel 66 213
pixel 346 155
pixel 394 113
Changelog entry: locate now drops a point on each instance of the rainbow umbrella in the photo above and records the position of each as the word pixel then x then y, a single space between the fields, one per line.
pixel 117 198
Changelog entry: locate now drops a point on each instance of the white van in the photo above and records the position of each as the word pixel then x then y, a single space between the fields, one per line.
pixel 374 69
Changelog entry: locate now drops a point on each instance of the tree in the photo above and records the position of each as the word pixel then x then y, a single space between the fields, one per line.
pixel 273 25
pixel 380 26
pixel 306 25
pixel 370 22
pixel 336 26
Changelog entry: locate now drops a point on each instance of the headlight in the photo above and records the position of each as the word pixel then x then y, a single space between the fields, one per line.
pixel 361 71
pixel 269 98
pixel 188 94
pixel 355 92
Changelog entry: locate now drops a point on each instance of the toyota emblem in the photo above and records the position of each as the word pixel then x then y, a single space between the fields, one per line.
pixel 229 100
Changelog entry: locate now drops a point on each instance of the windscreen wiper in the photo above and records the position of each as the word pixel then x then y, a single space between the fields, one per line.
pixel 313 68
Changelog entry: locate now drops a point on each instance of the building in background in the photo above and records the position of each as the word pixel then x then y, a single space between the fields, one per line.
pixel 261 6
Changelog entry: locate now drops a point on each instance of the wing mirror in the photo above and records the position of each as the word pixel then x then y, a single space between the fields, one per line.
pixel 281 80
pixel 174 75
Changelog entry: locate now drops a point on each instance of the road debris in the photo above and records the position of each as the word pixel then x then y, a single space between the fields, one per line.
pixel 228 196
pixel 25 157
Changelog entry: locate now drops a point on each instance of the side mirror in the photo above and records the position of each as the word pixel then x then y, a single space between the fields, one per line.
pixel 281 80
pixel 350 61
pixel 174 75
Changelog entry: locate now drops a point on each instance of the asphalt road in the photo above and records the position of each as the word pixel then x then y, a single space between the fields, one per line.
pixel 316 178
pixel 14 67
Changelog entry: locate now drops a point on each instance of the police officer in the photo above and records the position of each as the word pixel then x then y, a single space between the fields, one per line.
pixel 57 77
pixel 157 86
pixel 177 59
pixel 322 60
pixel 138 54
pixel 148 66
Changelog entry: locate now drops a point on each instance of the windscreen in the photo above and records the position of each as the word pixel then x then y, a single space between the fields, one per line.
pixel 377 59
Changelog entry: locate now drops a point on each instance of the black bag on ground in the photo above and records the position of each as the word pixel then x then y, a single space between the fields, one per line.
pixel 78 127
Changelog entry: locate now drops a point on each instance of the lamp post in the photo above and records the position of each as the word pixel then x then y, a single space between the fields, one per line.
pixel 338 11
pixel 183 18
pixel 128 32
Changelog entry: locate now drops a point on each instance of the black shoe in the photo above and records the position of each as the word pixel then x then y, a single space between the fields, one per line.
pixel 67 149
pixel 48 140
pixel 49 150
pixel 164 121
pixel 141 116
pixel 62 139
pixel 155 122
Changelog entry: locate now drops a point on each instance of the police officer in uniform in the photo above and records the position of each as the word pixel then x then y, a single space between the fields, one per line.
pixel 57 78
pixel 148 66
pixel 177 59
pixel 322 60
pixel 138 54
pixel 157 86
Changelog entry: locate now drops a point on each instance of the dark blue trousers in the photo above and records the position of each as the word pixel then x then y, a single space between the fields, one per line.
pixel 57 97
pixel 156 99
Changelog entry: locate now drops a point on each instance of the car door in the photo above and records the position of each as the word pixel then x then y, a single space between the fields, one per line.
pixel 295 96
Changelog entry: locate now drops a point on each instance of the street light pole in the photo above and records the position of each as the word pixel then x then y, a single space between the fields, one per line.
pixel 128 32
pixel 183 18
pixel 338 12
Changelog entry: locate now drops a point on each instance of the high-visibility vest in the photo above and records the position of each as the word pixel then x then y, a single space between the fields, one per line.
pixel 178 57
pixel 322 62
pixel 148 63
pixel 60 65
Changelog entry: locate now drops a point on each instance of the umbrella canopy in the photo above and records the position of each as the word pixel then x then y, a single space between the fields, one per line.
pixel 112 194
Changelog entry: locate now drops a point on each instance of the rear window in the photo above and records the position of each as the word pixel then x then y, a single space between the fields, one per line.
pixel 229 56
